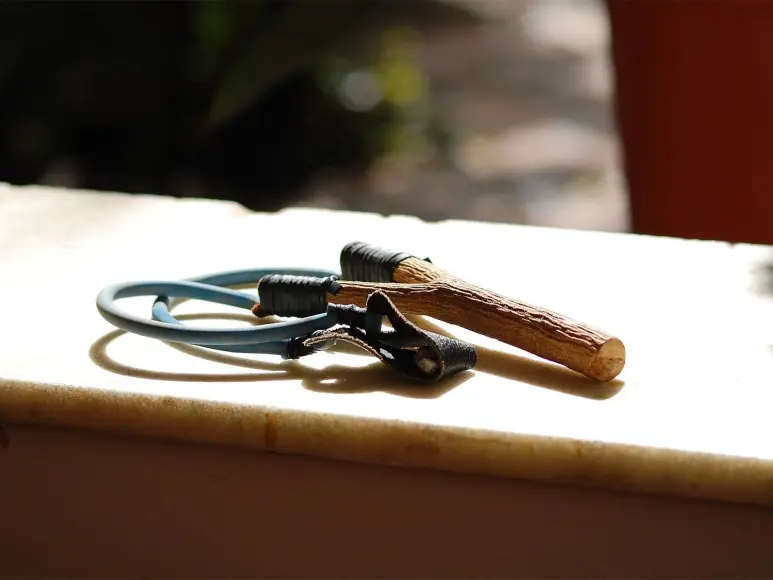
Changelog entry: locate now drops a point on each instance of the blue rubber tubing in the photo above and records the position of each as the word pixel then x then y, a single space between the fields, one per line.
pixel 265 339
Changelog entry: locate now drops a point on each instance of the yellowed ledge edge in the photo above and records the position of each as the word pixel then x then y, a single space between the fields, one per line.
pixel 395 443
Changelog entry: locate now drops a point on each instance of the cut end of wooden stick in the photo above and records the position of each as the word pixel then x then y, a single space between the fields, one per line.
pixel 609 361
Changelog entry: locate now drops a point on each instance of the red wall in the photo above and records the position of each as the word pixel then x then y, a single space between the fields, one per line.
pixel 695 110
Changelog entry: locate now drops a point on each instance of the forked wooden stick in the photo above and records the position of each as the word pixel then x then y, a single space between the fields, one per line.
pixel 419 287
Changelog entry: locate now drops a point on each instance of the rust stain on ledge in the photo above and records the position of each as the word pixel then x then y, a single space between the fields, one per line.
pixel 270 433
pixel 422 451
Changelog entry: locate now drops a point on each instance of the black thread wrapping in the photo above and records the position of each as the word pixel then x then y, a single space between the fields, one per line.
pixel 365 263
pixel 294 296
pixel 301 346
pixel 350 315
pixel 411 351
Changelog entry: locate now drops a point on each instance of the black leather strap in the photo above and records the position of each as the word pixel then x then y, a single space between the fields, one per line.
pixel 414 353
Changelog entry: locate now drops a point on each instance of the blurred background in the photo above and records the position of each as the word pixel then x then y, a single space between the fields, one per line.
pixel 496 110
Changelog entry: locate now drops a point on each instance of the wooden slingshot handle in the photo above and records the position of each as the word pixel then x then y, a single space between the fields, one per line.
pixel 418 287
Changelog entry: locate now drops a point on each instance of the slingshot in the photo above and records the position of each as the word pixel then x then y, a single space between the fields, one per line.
pixel 411 351
pixel 375 283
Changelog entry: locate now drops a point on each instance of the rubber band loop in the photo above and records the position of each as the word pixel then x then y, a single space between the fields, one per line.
pixel 266 339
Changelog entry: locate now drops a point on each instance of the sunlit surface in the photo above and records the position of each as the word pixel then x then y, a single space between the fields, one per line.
pixel 688 415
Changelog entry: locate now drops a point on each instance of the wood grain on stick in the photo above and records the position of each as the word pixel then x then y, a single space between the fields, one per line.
pixel 422 288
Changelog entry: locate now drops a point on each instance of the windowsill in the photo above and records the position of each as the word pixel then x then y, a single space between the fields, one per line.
pixel 688 416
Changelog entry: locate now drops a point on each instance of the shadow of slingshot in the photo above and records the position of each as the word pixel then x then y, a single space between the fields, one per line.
pixel 538 373
pixel 330 379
